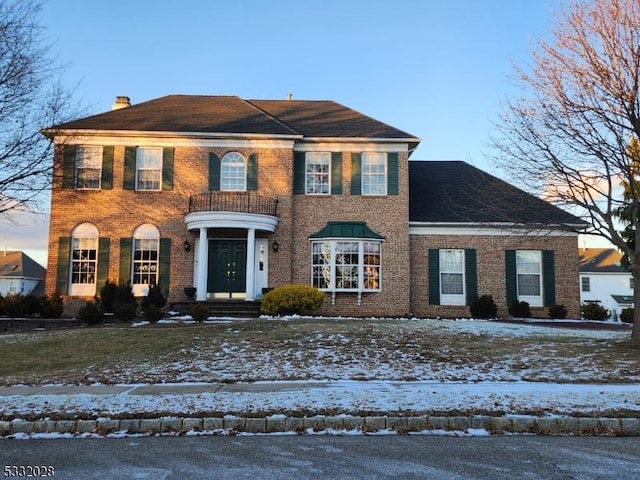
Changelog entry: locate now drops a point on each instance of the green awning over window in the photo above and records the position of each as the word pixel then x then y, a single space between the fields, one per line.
pixel 347 230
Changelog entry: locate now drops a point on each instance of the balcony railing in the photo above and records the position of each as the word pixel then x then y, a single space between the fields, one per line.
pixel 244 202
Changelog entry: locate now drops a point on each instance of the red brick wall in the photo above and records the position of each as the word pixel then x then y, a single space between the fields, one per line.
pixel 491 270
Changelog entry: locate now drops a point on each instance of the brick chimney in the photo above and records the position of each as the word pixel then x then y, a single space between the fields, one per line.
pixel 121 102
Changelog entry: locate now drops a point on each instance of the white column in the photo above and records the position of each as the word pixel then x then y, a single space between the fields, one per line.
pixel 203 262
pixel 251 265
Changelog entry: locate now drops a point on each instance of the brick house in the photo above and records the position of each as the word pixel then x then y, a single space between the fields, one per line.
pixel 233 196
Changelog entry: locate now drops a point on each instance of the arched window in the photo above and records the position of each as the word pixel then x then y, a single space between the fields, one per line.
pixel 233 173
pixel 84 259
pixel 146 246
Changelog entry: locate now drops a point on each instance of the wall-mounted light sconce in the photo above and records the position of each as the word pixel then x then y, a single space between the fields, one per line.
pixel 275 246
pixel 187 245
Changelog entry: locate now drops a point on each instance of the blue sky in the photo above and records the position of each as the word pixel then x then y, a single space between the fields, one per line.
pixel 438 69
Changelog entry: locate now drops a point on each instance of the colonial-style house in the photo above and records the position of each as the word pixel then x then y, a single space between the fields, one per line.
pixel 234 196
pixel 604 280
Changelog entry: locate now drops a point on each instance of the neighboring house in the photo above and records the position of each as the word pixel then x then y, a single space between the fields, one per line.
pixel 20 274
pixel 604 280
pixel 233 196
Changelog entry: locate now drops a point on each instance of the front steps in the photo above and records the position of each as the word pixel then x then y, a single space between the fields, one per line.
pixel 221 308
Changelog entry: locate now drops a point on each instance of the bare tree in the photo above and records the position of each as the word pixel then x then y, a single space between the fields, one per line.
pixel 30 100
pixel 568 134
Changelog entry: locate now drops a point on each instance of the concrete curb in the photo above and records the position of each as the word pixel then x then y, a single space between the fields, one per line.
pixel 233 425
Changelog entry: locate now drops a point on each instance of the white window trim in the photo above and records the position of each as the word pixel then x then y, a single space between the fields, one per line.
pixel 79 155
pixel 144 232
pixel 138 189
pixel 532 300
pixel 306 173
pixel 223 187
pixel 585 282
pixel 332 264
pixel 84 231
pixel 386 175
pixel 447 298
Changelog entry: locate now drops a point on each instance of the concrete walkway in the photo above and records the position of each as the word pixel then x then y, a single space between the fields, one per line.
pixel 73 424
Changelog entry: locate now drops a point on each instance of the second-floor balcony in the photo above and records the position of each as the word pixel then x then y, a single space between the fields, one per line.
pixel 237 202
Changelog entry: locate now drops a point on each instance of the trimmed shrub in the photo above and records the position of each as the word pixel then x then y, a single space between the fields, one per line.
pixel 125 305
pixel 13 305
pixel 52 305
pixel 519 309
pixel 91 313
pixel 32 304
pixel 594 311
pixel 199 312
pixel 292 299
pixel 626 315
pixel 153 304
pixel 483 307
pixel 108 296
pixel 558 312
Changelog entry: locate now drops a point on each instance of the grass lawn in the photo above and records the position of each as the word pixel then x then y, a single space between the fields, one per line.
pixel 314 349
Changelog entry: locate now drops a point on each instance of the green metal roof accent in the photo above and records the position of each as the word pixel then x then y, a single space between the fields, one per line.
pixel 347 230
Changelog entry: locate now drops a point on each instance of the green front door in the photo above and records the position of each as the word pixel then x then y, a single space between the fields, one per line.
pixel 227 267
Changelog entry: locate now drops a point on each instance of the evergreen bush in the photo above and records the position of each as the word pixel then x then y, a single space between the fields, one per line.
pixel 52 305
pixel 519 309
pixel 558 312
pixel 292 299
pixel 626 315
pixel 32 304
pixel 199 312
pixel 594 311
pixel 108 296
pixel 483 307
pixel 13 305
pixel 153 304
pixel 124 303
pixel 91 313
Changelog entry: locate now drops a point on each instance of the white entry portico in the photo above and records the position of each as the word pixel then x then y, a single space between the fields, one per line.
pixel 203 222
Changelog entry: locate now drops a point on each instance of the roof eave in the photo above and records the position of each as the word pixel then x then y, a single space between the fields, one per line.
pixel 78 132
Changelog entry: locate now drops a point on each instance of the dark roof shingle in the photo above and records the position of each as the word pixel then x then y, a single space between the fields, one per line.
pixel 233 115
pixel 456 192
pixel 600 260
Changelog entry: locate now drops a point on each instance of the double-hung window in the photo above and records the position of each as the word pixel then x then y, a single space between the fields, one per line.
pixel 149 168
pixel 317 173
pixel 84 260
pixel 452 277
pixel 346 265
pixel 233 173
pixel 586 284
pixel 146 247
pixel 374 173
pixel 529 276
pixel 88 167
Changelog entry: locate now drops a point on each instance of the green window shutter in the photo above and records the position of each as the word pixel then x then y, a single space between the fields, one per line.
pixel 392 174
pixel 68 166
pixel 102 274
pixel 470 274
pixel 336 173
pixel 126 245
pixel 62 271
pixel 167 168
pixel 129 182
pixel 356 175
pixel 510 275
pixel 434 277
pixel 164 268
pixel 299 172
pixel 252 172
pixel 106 182
pixel 548 279
pixel 214 171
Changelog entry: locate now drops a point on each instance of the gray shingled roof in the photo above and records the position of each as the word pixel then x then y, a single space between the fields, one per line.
pixel 233 115
pixel 456 192
pixel 20 265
